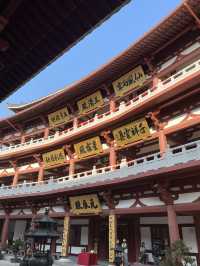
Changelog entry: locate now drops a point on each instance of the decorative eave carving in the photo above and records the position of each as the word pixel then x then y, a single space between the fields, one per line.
pixel 107 136
pixel 109 199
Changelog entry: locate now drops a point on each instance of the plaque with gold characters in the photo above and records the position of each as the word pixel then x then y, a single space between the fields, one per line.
pixel 88 147
pixel 90 102
pixel 112 237
pixel 59 117
pixel 54 157
pixel 131 132
pixel 87 204
pixel 65 240
pixel 129 81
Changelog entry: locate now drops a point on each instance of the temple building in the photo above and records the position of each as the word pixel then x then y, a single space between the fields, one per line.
pixel 117 153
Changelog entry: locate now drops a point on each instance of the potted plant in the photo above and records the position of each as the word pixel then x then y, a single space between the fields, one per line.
pixel 177 255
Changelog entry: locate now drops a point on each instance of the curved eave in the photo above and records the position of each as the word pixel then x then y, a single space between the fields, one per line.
pixel 157 37
pixel 39 32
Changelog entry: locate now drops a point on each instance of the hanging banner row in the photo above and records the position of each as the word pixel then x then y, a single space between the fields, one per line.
pixel 133 79
pixel 123 135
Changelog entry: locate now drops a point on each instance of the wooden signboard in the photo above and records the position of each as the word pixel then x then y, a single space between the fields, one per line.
pixel 87 204
pixel 129 81
pixel 90 102
pixel 88 147
pixel 54 157
pixel 131 132
pixel 65 240
pixel 112 237
pixel 59 117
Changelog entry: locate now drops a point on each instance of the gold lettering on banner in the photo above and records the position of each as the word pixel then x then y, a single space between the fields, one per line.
pixel 59 117
pixel 53 157
pixel 129 81
pixel 90 102
pixel 88 147
pixel 112 236
pixel 131 132
pixel 65 240
pixel 88 204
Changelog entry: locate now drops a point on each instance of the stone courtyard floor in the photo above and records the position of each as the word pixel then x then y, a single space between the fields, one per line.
pixel 70 262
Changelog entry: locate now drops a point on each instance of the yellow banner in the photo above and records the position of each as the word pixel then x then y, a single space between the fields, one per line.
pixel 59 117
pixel 65 240
pixel 129 81
pixel 88 204
pixel 88 147
pixel 112 237
pixel 131 132
pixel 90 102
pixel 53 157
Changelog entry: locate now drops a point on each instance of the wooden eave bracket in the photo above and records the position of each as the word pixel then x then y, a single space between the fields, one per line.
pixel 192 12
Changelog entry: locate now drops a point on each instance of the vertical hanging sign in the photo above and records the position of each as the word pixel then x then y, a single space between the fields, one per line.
pixel 65 241
pixel 112 237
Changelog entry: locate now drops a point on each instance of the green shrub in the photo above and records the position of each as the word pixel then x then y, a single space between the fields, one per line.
pixel 177 255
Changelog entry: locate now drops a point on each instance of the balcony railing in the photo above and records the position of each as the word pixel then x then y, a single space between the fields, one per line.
pixel 179 155
pixel 123 108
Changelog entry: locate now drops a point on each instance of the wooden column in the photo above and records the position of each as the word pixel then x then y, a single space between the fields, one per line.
pixel 112 104
pixel 4 234
pixel 46 132
pixel 134 239
pixel 23 139
pixel 111 143
pixel 112 224
pixel 41 172
pixel 197 228
pixel 167 197
pixel 38 158
pixel 91 234
pixel 53 246
pixel 70 154
pixel 155 81
pixel 16 175
pixel 66 231
pixel 160 129
pixel 162 140
pixel 15 178
pixel 75 122
pixel 172 223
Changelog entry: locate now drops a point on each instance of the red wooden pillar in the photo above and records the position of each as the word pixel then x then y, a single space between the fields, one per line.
pixel 23 139
pixel 197 227
pixel 46 132
pixel 91 234
pixel 53 246
pixel 75 122
pixel 162 140
pixel 4 234
pixel 41 172
pixel 112 156
pixel 70 155
pixel 71 166
pixel 112 104
pixel 15 178
pixel 172 223
pixel 133 239
pixel 155 81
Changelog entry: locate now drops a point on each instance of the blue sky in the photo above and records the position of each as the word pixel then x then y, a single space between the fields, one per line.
pixel 108 40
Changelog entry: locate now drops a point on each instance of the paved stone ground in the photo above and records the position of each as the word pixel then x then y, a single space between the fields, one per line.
pixel 70 262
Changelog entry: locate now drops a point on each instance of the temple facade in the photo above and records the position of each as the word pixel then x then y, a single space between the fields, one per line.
pixel 115 155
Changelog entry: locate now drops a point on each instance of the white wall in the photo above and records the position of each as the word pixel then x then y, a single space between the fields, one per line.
pixel 163 220
pixel 84 235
